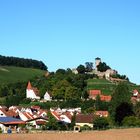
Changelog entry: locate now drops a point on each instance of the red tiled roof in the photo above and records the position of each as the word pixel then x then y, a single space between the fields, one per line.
pixel 105 98
pixel 82 118
pixel 29 86
pixel 28 115
pixel 95 92
pixel 40 112
pixel 9 113
pixel 55 115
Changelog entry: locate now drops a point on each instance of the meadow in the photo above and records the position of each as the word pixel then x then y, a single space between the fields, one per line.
pixel 114 134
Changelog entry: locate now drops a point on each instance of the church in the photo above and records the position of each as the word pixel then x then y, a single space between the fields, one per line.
pixel 32 92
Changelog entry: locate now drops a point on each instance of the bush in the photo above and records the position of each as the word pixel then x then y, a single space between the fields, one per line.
pixel 86 127
pixel 131 121
pixel 0 130
pixel 101 123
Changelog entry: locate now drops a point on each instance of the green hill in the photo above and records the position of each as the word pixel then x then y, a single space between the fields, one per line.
pixel 106 86
pixel 11 74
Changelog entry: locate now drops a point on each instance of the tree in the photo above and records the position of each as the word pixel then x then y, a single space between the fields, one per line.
pixel 59 89
pixel 98 102
pixel 131 121
pixel 81 69
pixel 120 95
pixel 102 67
pixel 89 66
pixel 72 93
pixel 60 71
pixel 73 120
pixel 101 105
pixel 101 123
pixel 123 110
pixel 85 94
pixel 52 124
pixel 137 110
pixel 4 91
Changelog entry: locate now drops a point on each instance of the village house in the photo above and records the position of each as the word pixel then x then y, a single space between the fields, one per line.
pixel 36 123
pixel 8 113
pixel 9 122
pixel 61 116
pixel 84 119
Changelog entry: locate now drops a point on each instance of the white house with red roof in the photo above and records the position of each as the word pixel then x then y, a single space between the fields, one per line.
pixel 32 92
pixel 61 116
pixel 26 116
pixel 36 123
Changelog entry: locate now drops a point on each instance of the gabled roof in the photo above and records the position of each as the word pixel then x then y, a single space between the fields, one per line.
pixel 9 113
pixel 28 115
pixel 83 118
pixel 55 115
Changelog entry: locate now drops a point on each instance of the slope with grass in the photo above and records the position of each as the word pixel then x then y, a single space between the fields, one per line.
pixel 106 86
pixel 11 74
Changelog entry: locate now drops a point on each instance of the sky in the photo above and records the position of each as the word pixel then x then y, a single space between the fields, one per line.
pixel 67 33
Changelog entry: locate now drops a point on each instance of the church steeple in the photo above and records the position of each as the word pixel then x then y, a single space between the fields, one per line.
pixel 29 86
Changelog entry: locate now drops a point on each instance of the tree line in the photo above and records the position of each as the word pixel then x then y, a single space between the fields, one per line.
pixel 22 62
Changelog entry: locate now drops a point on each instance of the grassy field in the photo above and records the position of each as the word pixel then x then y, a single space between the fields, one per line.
pixel 114 134
pixel 9 74
pixel 106 86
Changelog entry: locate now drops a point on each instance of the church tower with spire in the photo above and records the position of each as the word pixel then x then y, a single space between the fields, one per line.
pixel 32 92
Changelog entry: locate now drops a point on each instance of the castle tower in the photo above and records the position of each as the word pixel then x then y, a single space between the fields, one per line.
pixel 97 62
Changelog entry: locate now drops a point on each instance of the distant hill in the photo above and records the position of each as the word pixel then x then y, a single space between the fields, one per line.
pixel 11 74
pixel 21 62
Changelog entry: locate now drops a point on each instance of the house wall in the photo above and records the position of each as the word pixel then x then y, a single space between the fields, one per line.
pixel 47 97
pixel 82 124
pixel 3 128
